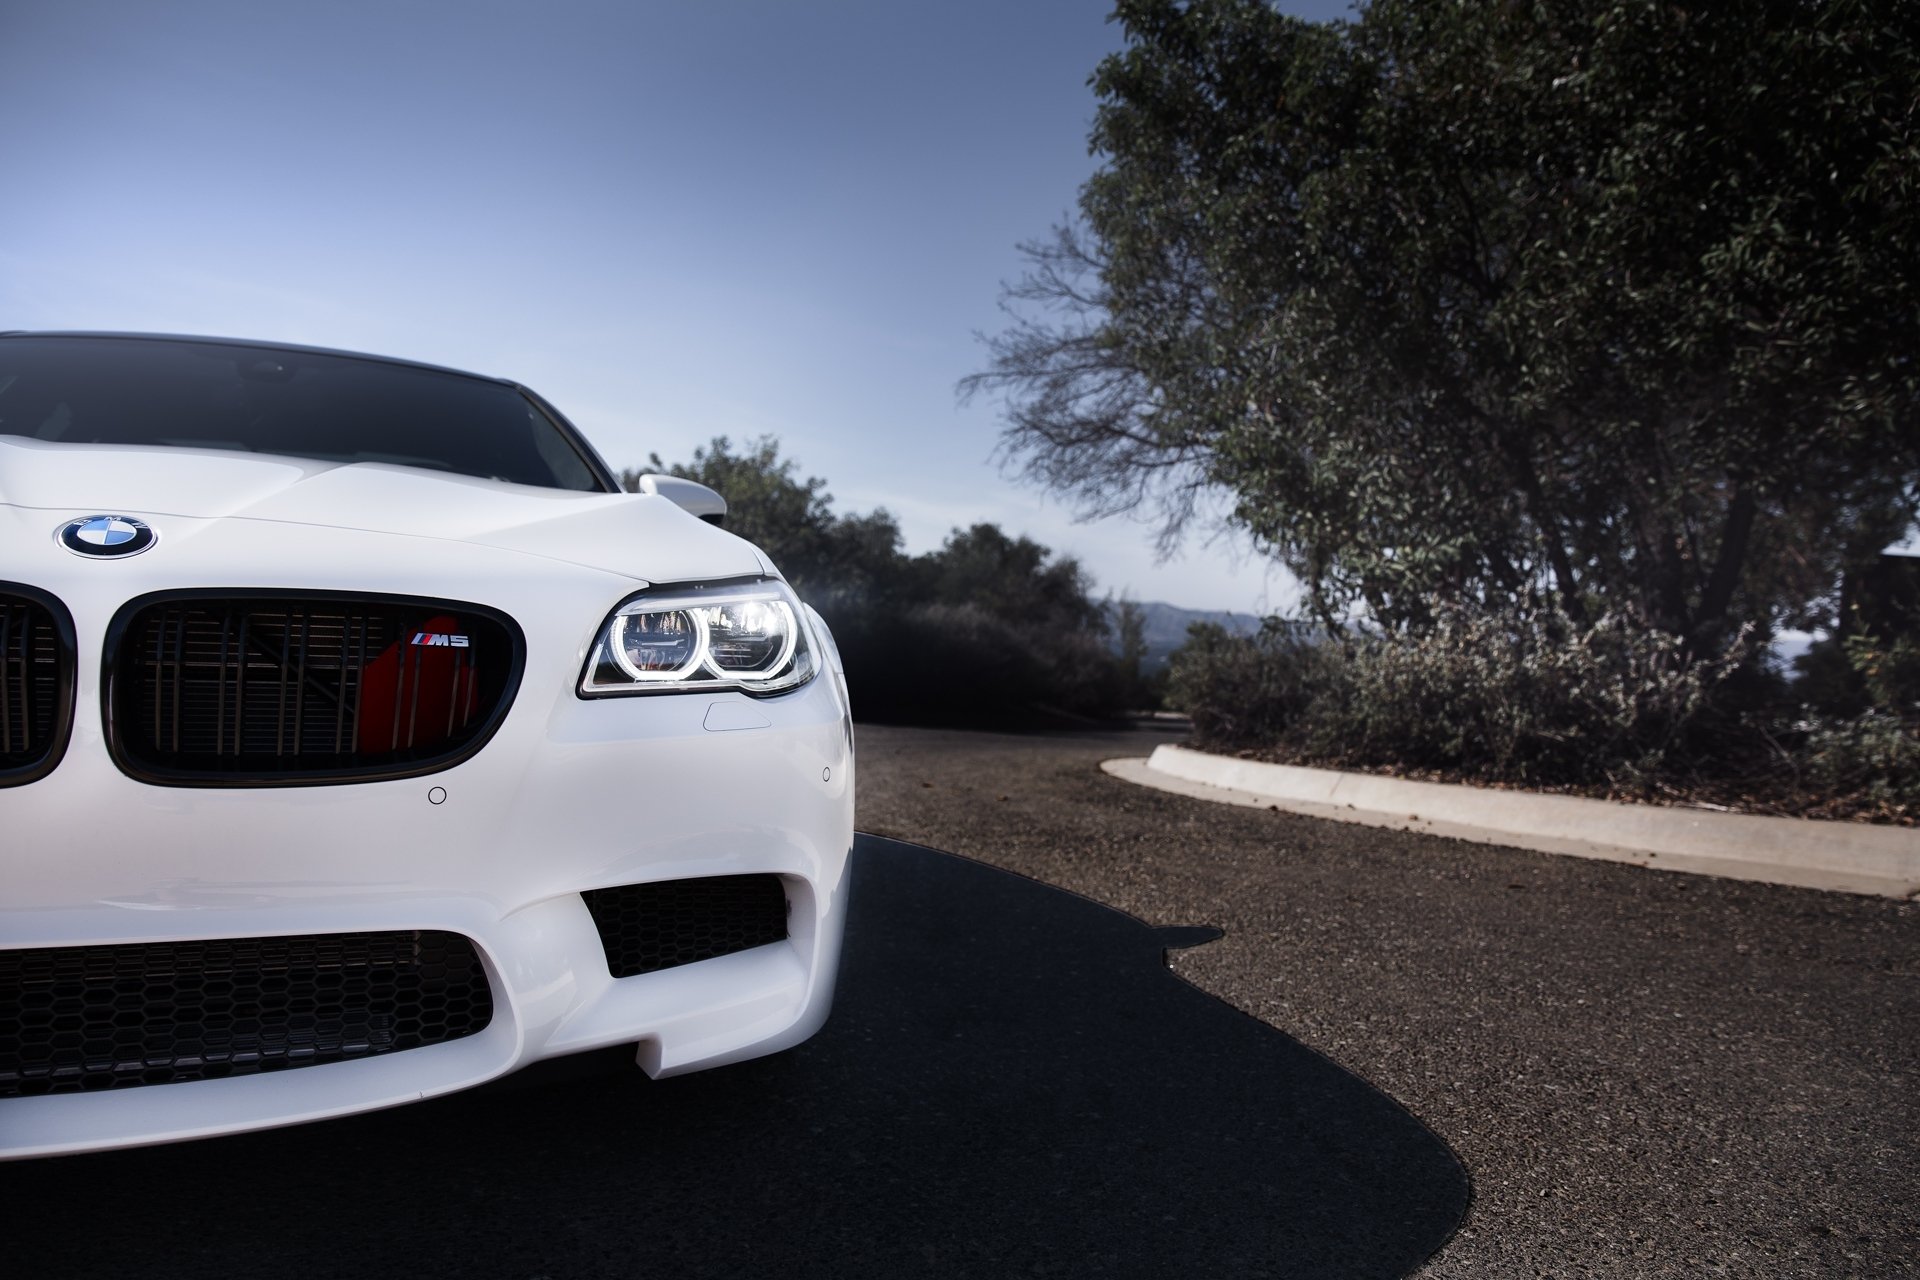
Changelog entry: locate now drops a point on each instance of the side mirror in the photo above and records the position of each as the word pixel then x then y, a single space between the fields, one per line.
pixel 688 495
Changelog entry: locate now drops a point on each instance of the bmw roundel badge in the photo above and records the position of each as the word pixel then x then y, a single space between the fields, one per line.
pixel 107 536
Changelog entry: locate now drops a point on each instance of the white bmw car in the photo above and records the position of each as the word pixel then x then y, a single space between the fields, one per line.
pixel 361 741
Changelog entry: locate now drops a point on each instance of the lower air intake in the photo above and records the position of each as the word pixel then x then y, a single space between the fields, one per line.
pixel 649 927
pixel 79 1019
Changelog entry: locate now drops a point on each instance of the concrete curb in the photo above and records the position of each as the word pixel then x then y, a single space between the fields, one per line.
pixel 1846 856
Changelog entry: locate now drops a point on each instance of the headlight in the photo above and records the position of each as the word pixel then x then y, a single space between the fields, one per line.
pixel 747 636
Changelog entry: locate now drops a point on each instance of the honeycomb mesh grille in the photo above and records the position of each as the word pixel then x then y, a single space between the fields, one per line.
pixel 648 927
pixel 79 1019
pixel 32 673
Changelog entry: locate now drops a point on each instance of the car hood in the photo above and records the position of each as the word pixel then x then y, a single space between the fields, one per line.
pixel 640 536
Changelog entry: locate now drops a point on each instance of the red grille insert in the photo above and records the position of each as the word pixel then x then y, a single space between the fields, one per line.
pixel 221 691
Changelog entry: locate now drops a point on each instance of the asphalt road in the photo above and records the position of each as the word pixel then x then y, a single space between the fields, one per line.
pixel 1013 1084
pixel 1489 1062
pixel 1644 1073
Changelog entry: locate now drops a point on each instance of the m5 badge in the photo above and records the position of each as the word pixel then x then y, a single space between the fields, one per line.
pixel 439 640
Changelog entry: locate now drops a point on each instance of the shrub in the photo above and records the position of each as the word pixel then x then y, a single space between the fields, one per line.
pixel 1528 697
pixel 1825 681
pixel 1874 754
pixel 1889 670
pixel 960 664
pixel 1533 697
pixel 1247 690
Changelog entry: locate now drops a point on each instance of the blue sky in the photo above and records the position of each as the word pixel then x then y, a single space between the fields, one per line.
pixel 675 221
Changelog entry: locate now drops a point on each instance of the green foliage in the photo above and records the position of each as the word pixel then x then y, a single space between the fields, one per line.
pixel 947 663
pixel 1874 753
pixel 1244 691
pixel 792 519
pixel 1139 691
pixel 1537 699
pixel 987 629
pixel 1603 301
pixel 1888 670
pixel 1015 579
pixel 1826 682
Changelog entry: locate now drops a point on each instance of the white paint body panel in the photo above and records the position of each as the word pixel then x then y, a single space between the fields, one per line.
pixel 569 794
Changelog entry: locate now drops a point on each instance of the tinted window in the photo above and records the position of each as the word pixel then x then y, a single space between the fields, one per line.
pixel 204 395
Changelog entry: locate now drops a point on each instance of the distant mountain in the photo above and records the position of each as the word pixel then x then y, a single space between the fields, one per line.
pixel 1166 628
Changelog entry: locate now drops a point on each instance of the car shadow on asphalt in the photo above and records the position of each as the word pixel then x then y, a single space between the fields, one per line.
pixel 1013 1083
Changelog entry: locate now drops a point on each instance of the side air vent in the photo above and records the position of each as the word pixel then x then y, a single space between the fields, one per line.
pixel 36 682
pixel 219 689
pixel 82 1019
pixel 648 927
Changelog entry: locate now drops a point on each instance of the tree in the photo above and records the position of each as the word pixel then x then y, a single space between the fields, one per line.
pixel 823 554
pixel 1014 579
pixel 1128 622
pixel 1603 301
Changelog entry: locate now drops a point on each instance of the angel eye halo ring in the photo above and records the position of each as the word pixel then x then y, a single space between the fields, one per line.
pixel 747 636
pixel 657 647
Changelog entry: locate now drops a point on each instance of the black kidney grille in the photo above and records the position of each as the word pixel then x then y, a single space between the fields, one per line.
pixel 78 1019
pixel 33 676
pixel 648 927
pixel 268 690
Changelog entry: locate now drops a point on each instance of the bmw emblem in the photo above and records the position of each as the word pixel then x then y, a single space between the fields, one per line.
pixel 106 536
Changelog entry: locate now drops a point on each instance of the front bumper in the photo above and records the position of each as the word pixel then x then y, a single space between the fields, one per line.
pixel 569 795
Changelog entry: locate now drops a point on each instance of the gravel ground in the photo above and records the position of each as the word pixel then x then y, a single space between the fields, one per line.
pixel 1646 1074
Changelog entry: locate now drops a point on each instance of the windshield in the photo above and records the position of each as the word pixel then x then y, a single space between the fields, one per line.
pixel 209 395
